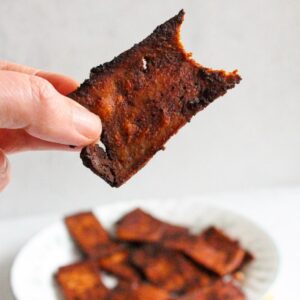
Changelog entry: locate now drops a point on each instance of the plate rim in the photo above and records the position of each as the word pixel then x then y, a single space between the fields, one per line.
pixel 137 203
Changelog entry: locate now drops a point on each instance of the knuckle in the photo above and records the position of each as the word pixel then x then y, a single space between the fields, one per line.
pixel 42 94
pixel 4 64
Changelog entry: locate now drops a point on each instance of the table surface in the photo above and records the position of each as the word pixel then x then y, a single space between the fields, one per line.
pixel 276 210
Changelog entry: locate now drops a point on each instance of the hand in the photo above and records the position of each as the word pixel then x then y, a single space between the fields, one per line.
pixel 35 114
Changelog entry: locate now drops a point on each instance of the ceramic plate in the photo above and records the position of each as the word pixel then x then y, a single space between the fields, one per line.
pixel 34 266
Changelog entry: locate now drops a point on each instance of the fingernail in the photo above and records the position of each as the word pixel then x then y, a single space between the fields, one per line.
pixel 86 123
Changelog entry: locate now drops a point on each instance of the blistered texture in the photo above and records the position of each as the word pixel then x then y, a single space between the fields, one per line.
pixel 81 281
pixel 139 226
pixel 143 97
pixel 87 232
pixel 118 265
pixel 219 291
pixel 170 270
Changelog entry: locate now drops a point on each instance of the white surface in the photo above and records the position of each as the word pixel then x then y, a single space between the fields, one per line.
pixel 278 212
pixel 32 275
pixel 248 139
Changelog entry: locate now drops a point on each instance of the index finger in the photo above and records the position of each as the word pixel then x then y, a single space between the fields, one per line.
pixel 31 103
pixel 10 66
pixel 62 83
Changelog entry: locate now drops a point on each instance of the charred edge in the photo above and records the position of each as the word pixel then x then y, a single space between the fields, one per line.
pixel 164 31
pixel 99 164
pixel 170 27
pixel 218 84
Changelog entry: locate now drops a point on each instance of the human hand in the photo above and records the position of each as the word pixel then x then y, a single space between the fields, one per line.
pixel 35 114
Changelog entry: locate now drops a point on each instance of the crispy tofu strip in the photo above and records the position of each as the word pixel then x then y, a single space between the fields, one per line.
pixel 81 281
pixel 118 265
pixel 87 232
pixel 218 291
pixel 178 241
pixel 216 251
pixel 126 291
pixel 143 97
pixel 213 249
pixel 169 269
pixel 139 226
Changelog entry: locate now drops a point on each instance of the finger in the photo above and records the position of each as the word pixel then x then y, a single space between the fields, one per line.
pixel 10 66
pixel 62 83
pixel 4 171
pixel 32 103
pixel 12 141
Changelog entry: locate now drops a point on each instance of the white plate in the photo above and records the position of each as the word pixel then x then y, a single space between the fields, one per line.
pixel 34 266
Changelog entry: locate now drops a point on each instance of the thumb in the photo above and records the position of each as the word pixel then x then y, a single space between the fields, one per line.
pixel 4 171
pixel 32 103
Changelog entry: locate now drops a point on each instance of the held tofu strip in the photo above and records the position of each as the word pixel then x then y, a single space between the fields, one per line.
pixel 143 97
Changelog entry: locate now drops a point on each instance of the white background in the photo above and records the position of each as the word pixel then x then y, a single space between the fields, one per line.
pixel 248 139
